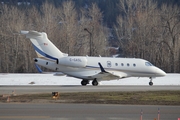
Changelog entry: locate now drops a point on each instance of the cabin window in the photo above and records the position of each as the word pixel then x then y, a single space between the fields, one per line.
pixel 122 64
pixel 134 65
pixel 128 64
pixel 108 63
pixel 148 64
pixel 116 64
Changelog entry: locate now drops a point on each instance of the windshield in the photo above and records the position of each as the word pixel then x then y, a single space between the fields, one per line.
pixel 148 64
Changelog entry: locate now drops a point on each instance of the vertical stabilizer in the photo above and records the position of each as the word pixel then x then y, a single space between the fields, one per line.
pixel 43 46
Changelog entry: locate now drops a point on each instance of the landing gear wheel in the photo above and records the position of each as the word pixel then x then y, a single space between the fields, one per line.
pixel 151 83
pixel 84 82
pixel 95 82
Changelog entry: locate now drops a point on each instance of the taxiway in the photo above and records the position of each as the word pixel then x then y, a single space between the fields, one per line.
pixel 75 88
pixel 56 111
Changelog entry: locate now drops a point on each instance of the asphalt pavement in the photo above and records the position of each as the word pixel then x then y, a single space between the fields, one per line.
pixel 34 89
pixel 55 111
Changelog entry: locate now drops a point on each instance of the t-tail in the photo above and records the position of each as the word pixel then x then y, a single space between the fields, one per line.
pixel 43 46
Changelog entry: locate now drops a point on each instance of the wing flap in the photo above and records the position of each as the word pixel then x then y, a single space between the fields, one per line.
pixel 106 76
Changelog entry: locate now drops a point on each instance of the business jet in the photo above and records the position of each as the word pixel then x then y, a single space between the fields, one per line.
pixel 89 68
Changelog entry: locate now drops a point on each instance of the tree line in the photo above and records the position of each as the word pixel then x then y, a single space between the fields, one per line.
pixel 64 26
pixel 150 32
pixel 109 7
pixel 142 29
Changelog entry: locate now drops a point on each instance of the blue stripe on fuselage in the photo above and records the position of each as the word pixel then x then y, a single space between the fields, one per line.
pixel 42 53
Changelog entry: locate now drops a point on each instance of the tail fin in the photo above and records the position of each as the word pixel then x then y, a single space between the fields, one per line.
pixel 43 46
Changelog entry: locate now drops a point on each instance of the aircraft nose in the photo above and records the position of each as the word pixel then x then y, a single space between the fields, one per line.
pixel 160 72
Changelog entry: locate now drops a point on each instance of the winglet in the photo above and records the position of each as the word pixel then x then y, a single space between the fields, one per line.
pixel 38 68
pixel 102 69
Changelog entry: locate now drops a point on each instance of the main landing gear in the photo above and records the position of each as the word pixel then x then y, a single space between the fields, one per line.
pixel 85 82
pixel 151 83
pixel 95 82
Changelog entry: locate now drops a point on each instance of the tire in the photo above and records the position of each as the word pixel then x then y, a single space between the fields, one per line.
pixel 95 82
pixel 83 83
pixel 151 83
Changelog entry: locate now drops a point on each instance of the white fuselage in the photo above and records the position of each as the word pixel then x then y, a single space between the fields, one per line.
pixel 88 66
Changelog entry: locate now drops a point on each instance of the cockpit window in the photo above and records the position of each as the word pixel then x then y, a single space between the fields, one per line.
pixel 148 64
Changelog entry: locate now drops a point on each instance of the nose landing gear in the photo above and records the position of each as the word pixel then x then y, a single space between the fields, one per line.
pixel 151 83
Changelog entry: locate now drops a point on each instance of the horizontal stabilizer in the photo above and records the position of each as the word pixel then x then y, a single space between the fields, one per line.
pixel 30 34
pixel 24 32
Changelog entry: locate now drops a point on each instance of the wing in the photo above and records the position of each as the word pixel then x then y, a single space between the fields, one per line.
pixel 108 75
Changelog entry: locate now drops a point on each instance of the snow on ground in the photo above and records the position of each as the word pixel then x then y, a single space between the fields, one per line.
pixel 49 79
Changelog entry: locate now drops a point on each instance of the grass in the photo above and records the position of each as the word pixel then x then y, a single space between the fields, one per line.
pixel 140 98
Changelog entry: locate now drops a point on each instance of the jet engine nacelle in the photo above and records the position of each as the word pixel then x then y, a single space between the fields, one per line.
pixel 73 61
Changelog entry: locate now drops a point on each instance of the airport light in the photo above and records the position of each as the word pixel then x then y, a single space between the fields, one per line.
pixel 90 37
